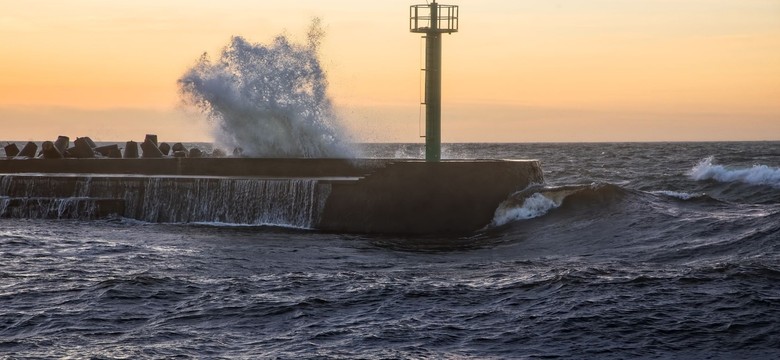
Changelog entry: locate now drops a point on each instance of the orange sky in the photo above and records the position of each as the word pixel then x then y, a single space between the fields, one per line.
pixel 568 70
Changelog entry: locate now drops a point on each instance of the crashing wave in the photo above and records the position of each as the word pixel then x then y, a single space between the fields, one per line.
pixel 756 175
pixel 269 100
pixel 536 201
pixel 533 206
pixel 533 202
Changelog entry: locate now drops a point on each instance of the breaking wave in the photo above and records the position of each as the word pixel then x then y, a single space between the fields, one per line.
pixel 533 206
pixel 269 100
pixel 536 201
pixel 756 175
pixel 589 201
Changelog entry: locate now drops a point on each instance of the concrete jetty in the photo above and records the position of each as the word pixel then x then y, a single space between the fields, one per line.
pixel 339 195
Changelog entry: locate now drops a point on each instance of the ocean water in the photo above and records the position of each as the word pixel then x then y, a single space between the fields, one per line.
pixel 629 250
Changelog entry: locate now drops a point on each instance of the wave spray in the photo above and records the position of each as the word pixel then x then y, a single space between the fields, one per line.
pixel 270 100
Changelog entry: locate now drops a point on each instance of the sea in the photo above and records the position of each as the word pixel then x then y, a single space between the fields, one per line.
pixel 627 250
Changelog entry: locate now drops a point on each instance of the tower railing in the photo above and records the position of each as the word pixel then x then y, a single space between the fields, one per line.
pixel 421 20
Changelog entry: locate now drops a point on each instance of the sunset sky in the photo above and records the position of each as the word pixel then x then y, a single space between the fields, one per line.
pixel 518 71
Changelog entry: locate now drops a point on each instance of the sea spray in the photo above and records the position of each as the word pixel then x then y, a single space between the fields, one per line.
pixel 270 100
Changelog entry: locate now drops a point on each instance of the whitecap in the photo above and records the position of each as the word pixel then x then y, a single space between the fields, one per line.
pixel 756 175
pixel 533 206
pixel 677 194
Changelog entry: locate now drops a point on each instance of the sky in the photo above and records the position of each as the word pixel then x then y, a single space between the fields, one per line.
pixel 517 71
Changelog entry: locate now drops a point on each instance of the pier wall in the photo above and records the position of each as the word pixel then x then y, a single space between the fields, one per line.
pixel 427 197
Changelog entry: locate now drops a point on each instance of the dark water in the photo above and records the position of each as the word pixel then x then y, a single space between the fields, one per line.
pixel 629 250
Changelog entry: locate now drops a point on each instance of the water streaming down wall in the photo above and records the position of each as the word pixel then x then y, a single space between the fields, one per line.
pixel 283 202
pixel 289 202
pixel 54 208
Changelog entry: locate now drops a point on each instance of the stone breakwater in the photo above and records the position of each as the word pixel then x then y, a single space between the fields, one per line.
pixel 86 148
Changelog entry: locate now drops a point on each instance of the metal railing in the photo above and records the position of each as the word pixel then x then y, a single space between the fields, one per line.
pixel 421 21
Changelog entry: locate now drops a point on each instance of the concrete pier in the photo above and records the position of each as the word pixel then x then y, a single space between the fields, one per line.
pixel 339 195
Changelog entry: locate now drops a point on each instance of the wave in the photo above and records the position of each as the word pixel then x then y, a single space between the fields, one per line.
pixel 698 197
pixel 536 201
pixel 533 206
pixel 756 175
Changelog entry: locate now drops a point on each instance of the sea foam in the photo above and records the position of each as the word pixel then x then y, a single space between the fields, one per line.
pixel 677 194
pixel 756 175
pixel 533 206
pixel 270 100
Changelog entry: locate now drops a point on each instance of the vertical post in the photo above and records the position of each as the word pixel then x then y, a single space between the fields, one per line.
pixel 433 88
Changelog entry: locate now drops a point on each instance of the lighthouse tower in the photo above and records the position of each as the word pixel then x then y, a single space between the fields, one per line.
pixel 433 20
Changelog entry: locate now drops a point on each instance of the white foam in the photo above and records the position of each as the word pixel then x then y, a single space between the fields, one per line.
pixel 534 206
pixel 232 225
pixel 756 175
pixel 676 194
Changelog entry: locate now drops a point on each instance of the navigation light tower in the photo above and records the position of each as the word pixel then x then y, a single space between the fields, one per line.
pixel 433 20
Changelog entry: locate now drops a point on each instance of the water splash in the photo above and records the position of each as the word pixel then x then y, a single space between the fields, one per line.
pixel 756 175
pixel 270 100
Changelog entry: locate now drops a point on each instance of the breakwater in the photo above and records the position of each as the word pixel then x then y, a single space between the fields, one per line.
pixel 341 195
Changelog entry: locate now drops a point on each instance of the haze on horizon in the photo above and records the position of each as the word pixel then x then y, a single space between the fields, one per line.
pixel 520 71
